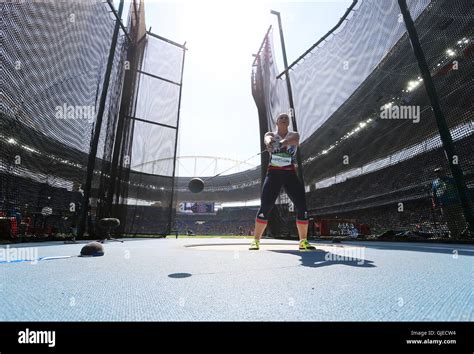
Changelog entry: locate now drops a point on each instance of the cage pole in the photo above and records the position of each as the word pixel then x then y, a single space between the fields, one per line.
pixel 290 92
pixel 170 220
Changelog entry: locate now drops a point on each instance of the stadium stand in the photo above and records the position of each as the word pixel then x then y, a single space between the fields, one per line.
pixel 227 221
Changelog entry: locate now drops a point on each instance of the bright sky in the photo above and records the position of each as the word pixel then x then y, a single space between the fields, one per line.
pixel 218 114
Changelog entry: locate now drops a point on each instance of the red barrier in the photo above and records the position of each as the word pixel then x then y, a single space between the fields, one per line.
pixel 13 227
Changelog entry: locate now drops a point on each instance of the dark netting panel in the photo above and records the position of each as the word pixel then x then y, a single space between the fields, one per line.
pixel 331 72
pixel 275 94
pixel 390 163
pixel 147 195
pixel 371 141
pixel 116 191
pixel 53 62
pixel 112 105
pixel 108 136
pixel 54 55
pixel 449 52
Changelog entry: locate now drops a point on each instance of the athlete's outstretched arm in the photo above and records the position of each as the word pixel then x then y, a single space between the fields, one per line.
pixel 268 140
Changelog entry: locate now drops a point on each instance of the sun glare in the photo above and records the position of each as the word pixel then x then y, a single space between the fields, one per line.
pixel 212 26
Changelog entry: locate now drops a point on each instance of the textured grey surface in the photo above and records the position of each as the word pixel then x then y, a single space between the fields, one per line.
pixel 164 280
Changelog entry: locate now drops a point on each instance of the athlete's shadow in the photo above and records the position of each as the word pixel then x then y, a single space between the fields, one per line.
pixel 320 258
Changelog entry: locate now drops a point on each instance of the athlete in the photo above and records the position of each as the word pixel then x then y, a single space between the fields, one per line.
pixel 282 146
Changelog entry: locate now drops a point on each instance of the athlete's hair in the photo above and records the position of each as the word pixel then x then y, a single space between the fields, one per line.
pixel 281 115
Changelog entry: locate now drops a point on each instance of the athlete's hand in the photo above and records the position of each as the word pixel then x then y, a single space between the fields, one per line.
pixel 276 145
pixel 269 141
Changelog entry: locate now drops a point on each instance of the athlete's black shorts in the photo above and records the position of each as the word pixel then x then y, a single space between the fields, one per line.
pixel 287 179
